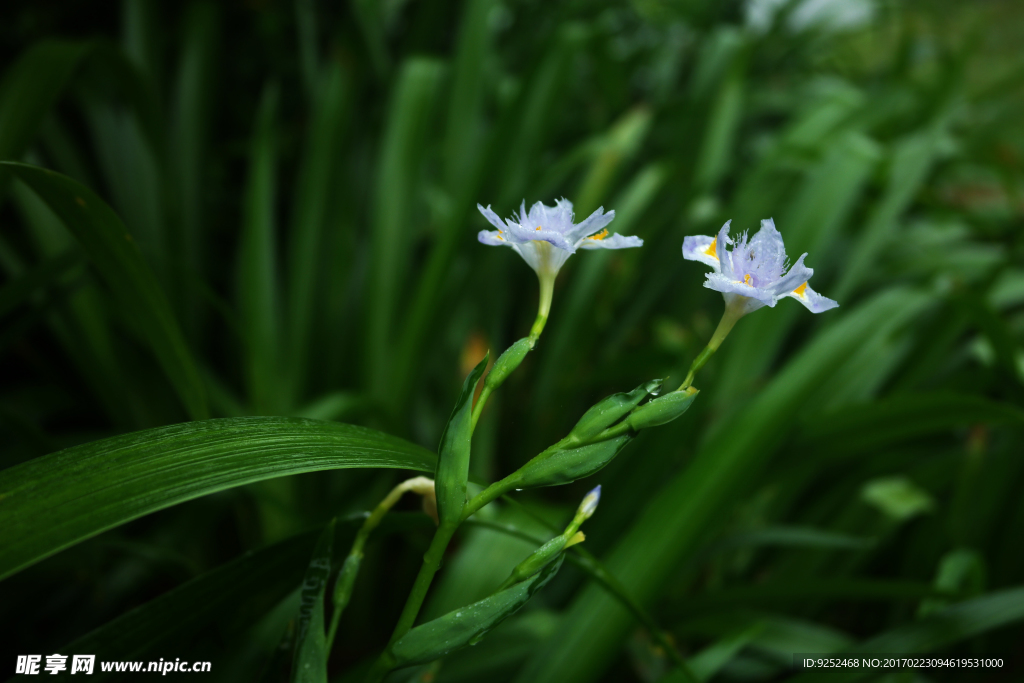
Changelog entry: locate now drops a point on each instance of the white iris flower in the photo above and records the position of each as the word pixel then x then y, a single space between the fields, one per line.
pixel 545 237
pixel 754 273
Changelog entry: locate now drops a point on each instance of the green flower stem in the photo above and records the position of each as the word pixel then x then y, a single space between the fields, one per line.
pixel 431 563
pixel 547 289
pixel 511 482
pixel 481 401
pixel 733 312
pixel 350 569
pixel 489 494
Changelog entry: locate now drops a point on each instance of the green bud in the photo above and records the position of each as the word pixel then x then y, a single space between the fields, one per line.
pixel 507 363
pixel 557 466
pixel 610 410
pixel 662 410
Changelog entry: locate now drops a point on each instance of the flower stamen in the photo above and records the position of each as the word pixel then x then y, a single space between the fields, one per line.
pixel 710 251
pixel 799 291
pixel 599 236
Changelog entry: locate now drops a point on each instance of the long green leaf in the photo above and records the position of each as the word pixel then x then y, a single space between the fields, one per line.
pixel 402 153
pixel 191 124
pixel 55 501
pixel 110 247
pixel 912 161
pixel 257 263
pixel 315 184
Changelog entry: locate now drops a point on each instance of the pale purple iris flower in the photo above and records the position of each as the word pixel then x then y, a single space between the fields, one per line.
pixel 755 272
pixel 546 236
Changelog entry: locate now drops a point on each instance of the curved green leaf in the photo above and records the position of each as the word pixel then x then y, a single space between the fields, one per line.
pixel 60 499
pixel 111 249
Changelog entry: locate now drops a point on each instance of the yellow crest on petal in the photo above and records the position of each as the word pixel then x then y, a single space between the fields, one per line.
pixel 710 251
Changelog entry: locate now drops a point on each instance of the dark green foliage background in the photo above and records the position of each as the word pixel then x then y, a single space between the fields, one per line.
pixel 301 178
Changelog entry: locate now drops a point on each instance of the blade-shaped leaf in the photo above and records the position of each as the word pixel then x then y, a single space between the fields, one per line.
pixel 315 184
pixel 453 453
pixel 60 499
pixel 402 152
pixel 110 247
pixel 257 262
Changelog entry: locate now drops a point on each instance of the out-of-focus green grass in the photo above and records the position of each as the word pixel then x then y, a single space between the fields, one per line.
pixel 301 179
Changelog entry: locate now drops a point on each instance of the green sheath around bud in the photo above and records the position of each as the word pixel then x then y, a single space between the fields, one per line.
pixel 543 556
pixel 507 363
pixel 562 466
pixel 608 411
pixel 453 453
pixel 662 410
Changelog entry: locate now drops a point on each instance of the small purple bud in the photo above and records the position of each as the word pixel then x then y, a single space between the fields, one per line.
pixel 590 501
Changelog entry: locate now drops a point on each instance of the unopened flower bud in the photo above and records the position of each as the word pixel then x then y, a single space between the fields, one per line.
pixel 507 362
pixel 589 504
pixel 610 410
pixel 662 410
